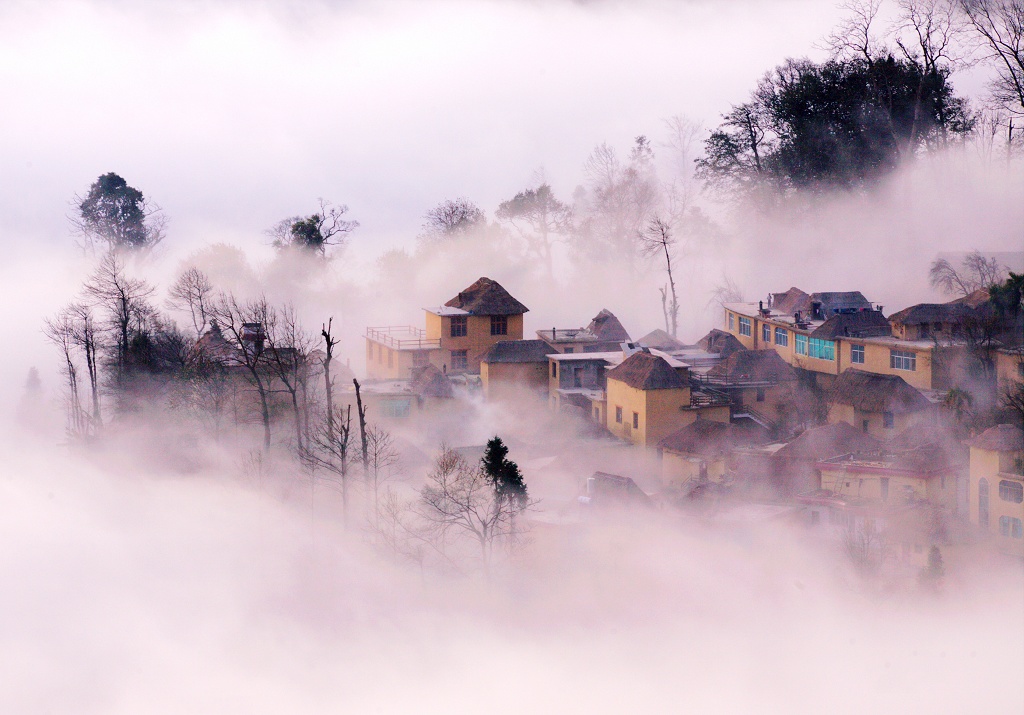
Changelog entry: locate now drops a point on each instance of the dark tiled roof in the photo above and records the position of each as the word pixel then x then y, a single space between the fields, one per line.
pixel 429 381
pixel 754 366
pixel 660 340
pixel 862 324
pixel 828 441
pixel 487 297
pixel 518 351
pixel 607 327
pixel 721 342
pixel 1001 438
pixel 788 302
pixel 829 303
pixel 932 313
pixel 870 392
pixel 644 371
pixel 710 439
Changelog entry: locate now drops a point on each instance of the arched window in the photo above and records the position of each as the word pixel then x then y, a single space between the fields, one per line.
pixel 983 502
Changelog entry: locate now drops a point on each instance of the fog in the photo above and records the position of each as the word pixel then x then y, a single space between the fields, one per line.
pixel 156 569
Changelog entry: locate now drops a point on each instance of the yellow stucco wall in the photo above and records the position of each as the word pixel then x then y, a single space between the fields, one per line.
pixel 677 469
pixel 876 420
pixel 513 380
pixel 659 412
pixel 385 363
pixel 477 340
pixel 995 467
pixel 869 486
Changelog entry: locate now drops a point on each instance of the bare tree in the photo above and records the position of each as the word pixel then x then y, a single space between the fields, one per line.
pixel 316 232
pixel 999 24
pixel 245 326
pixel 364 443
pixel 60 331
pixel 192 292
pixel 974 272
pixel 86 336
pixel 328 448
pixel 657 238
pixel 126 303
pixel 287 353
pixel 854 36
pixel 725 292
pixel 329 343
pixel 382 458
pixel 460 499
pixel 451 219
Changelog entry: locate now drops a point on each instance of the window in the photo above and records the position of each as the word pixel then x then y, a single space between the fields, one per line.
pixel 903 360
pixel 760 394
pixel 636 420
pixel 983 502
pixel 857 354
pixel 499 325
pixel 1011 491
pixel 391 357
pixel 395 408
pixel 420 358
pixel 864 426
pixel 460 359
pixel 731 326
pixel 822 349
pixel 766 332
pixel 577 377
pixel 1020 369
pixel 618 414
pixel 380 354
pixel 744 326
pixel 569 351
pixel 888 420
pixel 460 323
pixel 781 337
pixel 554 369
pixel 1011 527
pixel 801 344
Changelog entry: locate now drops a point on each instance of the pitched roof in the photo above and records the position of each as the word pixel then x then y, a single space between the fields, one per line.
pixel 607 327
pixel 828 441
pixel 487 297
pixel 932 313
pixel 754 366
pixel 710 439
pixel 645 371
pixel 788 302
pixel 518 351
pixel 871 392
pixel 429 381
pixel 973 300
pixel 822 306
pixel 660 340
pixel 721 342
pixel 862 324
pixel 1001 438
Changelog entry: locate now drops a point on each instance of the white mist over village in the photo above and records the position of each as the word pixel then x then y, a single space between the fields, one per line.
pixel 501 356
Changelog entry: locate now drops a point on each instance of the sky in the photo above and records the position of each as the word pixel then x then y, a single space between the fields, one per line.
pixel 233 115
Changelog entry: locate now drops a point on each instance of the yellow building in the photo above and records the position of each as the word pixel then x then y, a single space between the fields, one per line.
pixel 825 333
pixel 647 399
pixel 891 478
pixel 513 369
pixel 702 451
pixel 880 405
pixel 456 337
pixel 997 486
pixel 760 383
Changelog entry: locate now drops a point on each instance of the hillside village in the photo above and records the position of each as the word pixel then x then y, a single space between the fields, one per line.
pixel 885 434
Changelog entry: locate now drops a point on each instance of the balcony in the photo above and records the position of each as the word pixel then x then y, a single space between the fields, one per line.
pixel 402 337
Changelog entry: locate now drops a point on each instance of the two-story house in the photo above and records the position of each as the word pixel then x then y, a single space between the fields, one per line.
pixel 456 337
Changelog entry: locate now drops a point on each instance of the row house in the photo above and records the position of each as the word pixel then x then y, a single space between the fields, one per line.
pixel 823 334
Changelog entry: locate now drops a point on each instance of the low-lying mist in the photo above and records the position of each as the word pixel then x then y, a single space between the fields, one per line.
pixel 134 588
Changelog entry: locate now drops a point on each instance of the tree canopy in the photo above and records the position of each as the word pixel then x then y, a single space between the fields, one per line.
pixel 314 233
pixel 840 124
pixel 118 215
